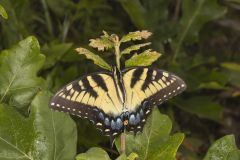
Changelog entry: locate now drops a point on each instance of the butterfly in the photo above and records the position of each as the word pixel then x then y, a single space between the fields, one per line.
pixel 118 100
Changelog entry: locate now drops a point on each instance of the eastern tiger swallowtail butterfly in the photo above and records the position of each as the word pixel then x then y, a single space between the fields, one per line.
pixel 118 100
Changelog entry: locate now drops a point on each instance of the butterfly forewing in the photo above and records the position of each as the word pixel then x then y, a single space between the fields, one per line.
pixel 146 87
pixel 93 97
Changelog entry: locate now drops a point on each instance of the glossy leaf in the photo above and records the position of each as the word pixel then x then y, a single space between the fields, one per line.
pixel 18 68
pixel 145 58
pixel 155 141
pixel 93 154
pixel 3 12
pixel 45 134
pixel 137 35
pixel 169 148
pixel 95 58
pixel 16 134
pixel 223 149
pixel 134 48
pixel 56 132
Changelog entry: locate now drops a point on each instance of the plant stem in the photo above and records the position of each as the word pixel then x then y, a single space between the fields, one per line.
pixel 48 18
pixel 117 51
pixel 123 143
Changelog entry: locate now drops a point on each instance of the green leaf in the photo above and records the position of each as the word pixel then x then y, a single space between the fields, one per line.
pixel 223 149
pixel 202 106
pixel 54 53
pixel 231 66
pixel 137 35
pixel 134 48
pixel 168 150
pixel 132 156
pixel 136 12
pixel 93 154
pixel 195 15
pixel 102 43
pixel 3 12
pixel 96 59
pixel 145 58
pixel 18 68
pixel 211 85
pixel 44 135
pixel 154 141
pixel 16 134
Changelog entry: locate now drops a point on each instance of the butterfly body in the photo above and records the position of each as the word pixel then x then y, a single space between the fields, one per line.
pixel 118 100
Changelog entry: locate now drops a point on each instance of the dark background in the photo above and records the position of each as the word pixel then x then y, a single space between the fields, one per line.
pixel 199 41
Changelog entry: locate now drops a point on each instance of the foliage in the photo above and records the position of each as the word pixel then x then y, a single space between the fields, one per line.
pixel 16 89
pixel 96 59
pixel 3 12
pixel 224 148
pixel 143 59
pixel 155 141
pixel 198 40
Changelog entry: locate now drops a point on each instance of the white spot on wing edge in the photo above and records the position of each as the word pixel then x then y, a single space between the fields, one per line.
pixel 52 104
pixel 147 111
pixel 107 130
pixel 99 124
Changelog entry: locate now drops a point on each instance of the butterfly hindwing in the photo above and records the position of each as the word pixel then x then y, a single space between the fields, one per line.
pixel 146 87
pixel 93 97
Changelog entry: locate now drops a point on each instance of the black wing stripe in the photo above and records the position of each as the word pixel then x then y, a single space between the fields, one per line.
pixel 100 82
pixel 136 76
pixel 76 87
pixel 91 91
pixel 148 79
pixel 158 76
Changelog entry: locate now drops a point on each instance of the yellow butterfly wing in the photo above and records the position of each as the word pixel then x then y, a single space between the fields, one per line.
pixel 94 97
pixel 146 87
